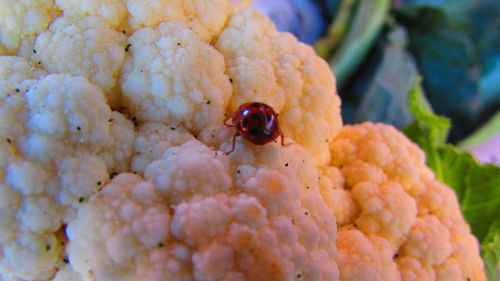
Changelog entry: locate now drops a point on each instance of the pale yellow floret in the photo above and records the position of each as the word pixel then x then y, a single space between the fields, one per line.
pixel 173 77
pixel 15 69
pixel 66 273
pixel 112 12
pixel 152 141
pixel 204 17
pixel 21 20
pixel 58 132
pixel 85 47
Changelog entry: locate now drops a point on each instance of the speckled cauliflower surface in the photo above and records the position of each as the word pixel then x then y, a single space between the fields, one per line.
pixel 21 21
pixel 112 163
pixel 83 47
pixel 59 143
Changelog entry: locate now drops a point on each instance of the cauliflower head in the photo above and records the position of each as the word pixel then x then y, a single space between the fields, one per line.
pixel 112 163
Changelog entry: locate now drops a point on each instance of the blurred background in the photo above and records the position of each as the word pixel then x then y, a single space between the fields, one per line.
pixel 380 49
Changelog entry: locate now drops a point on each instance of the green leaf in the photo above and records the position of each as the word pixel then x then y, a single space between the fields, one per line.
pixel 428 130
pixel 477 186
pixel 432 128
pixel 490 249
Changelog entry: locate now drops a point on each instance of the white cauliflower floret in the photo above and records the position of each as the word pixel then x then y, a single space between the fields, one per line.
pixel 55 130
pixel 21 20
pixel 206 18
pixel 207 174
pixel 116 153
pixel 86 47
pixel 273 67
pixel 16 69
pixel 66 273
pixel 225 220
pixel 400 203
pixel 30 256
pixel 130 215
pixel 152 141
pixel 68 110
pixel 173 77
pixel 113 12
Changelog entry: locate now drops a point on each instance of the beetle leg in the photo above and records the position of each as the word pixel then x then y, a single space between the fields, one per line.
pixel 283 140
pixel 234 143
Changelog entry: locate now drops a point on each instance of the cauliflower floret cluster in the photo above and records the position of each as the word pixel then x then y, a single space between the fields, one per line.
pixel 208 218
pixel 57 148
pixel 273 67
pixel 156 88
pixel 113 12
pixel 20 21
pixel 112 163
pixel 398 202
pixel 83 47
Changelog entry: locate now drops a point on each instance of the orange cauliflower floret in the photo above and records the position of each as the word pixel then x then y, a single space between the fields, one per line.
pixel 400 202
pixel 363 257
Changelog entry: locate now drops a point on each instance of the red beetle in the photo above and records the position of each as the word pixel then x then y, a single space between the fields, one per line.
pixel 256 122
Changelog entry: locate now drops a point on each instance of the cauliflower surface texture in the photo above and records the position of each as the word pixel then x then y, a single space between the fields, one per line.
pixel 197 215
pixel 409 223
pixel 59 147
pixel 274 68
pixel 21 20
pixel 85 47
pixel 113 164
